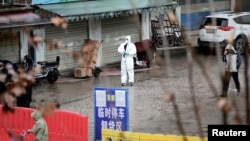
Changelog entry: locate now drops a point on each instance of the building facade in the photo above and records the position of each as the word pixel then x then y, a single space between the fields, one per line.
pixel 15 22
pixel 99 20
pixel 106 20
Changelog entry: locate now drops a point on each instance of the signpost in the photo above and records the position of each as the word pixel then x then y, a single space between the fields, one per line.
pixel 110 110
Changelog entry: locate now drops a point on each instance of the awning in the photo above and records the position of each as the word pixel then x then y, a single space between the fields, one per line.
pixel 21 19
pixel 105 8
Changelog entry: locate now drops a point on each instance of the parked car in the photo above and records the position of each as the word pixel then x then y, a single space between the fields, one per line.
pixel 220 26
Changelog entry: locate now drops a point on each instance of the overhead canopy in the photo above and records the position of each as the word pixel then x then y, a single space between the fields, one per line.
pixel 106 8
pixel 20 19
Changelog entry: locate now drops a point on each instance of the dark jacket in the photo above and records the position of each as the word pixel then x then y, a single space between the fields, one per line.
pixel 238 59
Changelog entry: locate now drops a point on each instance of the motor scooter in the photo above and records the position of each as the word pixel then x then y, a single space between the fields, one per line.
pixel 49 70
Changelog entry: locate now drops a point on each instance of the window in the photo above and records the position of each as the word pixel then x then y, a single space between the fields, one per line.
pixel 216 22
pixel 243 19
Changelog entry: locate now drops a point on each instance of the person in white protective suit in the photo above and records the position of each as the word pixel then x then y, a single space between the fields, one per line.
pixel 128 51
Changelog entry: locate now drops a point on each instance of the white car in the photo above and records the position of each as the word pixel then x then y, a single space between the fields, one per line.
pixel 218 27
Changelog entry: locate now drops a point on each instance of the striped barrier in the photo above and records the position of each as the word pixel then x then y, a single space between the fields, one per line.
pixel 116 135
pixel 62 125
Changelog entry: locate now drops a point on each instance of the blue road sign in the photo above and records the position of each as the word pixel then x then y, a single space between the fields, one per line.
pixel 110 110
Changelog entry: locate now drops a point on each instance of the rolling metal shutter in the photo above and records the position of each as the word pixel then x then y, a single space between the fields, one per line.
pixel 9 46
pixel 73 38
pixel 193 15
pixel 114 31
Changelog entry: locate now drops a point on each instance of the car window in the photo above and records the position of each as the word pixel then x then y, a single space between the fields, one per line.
pixel 243 19
pixel 216 22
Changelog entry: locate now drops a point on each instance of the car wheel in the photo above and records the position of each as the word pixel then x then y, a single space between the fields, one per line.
pixel 241 44
pixel 148 64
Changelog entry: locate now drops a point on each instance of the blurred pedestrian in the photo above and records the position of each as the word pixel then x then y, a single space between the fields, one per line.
pixel 8 69
pixel 25 99
pixel 28 63
pixel 233 63
pixel 128 51
pixel 40 128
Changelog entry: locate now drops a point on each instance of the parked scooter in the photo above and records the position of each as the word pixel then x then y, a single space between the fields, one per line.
pixel 49 70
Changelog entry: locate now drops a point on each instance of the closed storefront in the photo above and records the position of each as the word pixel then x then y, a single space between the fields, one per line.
pixel 72 38
pixel 113 32
pixel 192 15
pixel 108 23
pixel 15 24
pixel 9 46
pixel 241 5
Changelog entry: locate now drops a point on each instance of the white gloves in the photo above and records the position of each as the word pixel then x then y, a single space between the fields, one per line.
pixel 125 53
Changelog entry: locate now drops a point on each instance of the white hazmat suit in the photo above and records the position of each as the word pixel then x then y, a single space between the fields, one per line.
pixel 128 51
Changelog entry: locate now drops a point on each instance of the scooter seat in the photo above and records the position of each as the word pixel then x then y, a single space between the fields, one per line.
pixel 52 63
pixel 42 62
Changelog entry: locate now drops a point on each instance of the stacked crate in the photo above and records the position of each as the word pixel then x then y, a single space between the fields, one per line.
pixel 88 58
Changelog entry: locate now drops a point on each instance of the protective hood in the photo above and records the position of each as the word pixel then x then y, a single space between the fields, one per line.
pixel 36 115
pixel 229 46
pixel 127 39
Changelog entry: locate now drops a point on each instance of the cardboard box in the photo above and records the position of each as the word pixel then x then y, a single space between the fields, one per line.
pixel 94 51
pixel 80 72
pixel 90 45
pixel 93 57
pixel 89 64
pixel 89 72
pixel 82 61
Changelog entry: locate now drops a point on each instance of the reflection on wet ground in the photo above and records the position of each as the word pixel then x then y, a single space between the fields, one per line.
pixel 149 111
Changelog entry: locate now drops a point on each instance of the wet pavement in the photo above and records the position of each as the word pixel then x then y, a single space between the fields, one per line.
pixel 149 110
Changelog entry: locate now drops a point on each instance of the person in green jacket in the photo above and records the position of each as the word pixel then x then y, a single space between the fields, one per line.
pixel 40 128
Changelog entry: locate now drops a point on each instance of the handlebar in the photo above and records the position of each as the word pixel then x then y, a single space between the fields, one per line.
pixel 42 62
pixel 24 133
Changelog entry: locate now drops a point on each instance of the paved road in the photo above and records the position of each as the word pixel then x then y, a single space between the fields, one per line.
pixel 149 111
